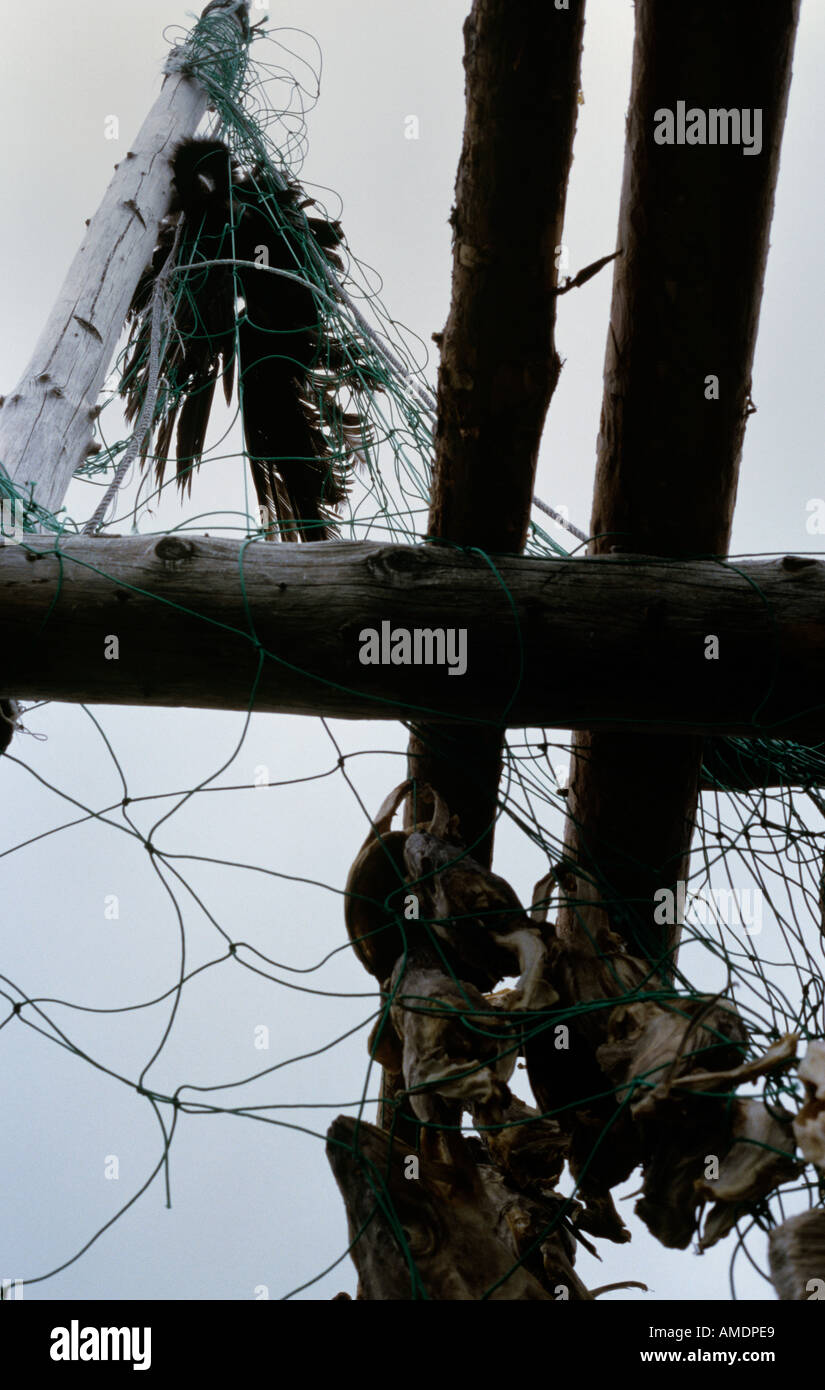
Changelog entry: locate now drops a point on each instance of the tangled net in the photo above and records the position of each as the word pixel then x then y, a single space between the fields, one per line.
pixel 753 904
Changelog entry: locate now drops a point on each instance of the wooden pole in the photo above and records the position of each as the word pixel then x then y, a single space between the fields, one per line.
pixel 694 229
pixel 47 422
pixel 499 364
pixel 694 226
pixel 615 641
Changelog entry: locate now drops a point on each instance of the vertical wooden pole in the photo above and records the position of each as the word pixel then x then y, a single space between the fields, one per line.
pixel 694 228
pixel 499 364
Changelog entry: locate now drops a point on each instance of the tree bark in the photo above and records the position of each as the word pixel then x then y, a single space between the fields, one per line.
pixel 614 642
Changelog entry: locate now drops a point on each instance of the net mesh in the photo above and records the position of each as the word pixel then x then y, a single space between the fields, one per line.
pixel 752 904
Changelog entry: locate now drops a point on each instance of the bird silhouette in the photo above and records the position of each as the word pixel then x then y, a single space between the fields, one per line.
pixel 245 252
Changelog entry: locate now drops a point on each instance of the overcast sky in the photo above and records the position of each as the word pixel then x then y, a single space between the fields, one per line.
pixel 255 1204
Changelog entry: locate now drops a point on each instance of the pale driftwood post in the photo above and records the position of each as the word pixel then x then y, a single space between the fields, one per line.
pixel 47 421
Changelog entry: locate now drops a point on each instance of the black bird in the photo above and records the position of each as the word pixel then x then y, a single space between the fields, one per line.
pixel 292 366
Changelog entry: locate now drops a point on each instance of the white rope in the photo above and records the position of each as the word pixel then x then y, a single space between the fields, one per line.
pixel 568 525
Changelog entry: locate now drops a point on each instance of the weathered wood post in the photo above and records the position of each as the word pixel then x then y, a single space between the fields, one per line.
pixel 47 421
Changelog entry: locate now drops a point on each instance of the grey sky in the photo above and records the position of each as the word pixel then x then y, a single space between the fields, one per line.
pixel 255 1204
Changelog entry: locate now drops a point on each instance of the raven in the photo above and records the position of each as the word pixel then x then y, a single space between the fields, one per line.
pixel 245 254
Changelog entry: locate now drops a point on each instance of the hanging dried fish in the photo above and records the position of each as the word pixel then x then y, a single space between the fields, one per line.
pixel 475 912
pixel 809 1125
pixel 373 896
pixel 759 1158
pixel 454 1049
pixel 421 1234
pixel 796 1253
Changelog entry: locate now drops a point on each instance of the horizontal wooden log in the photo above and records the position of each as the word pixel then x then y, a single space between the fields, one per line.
pixel 611 642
